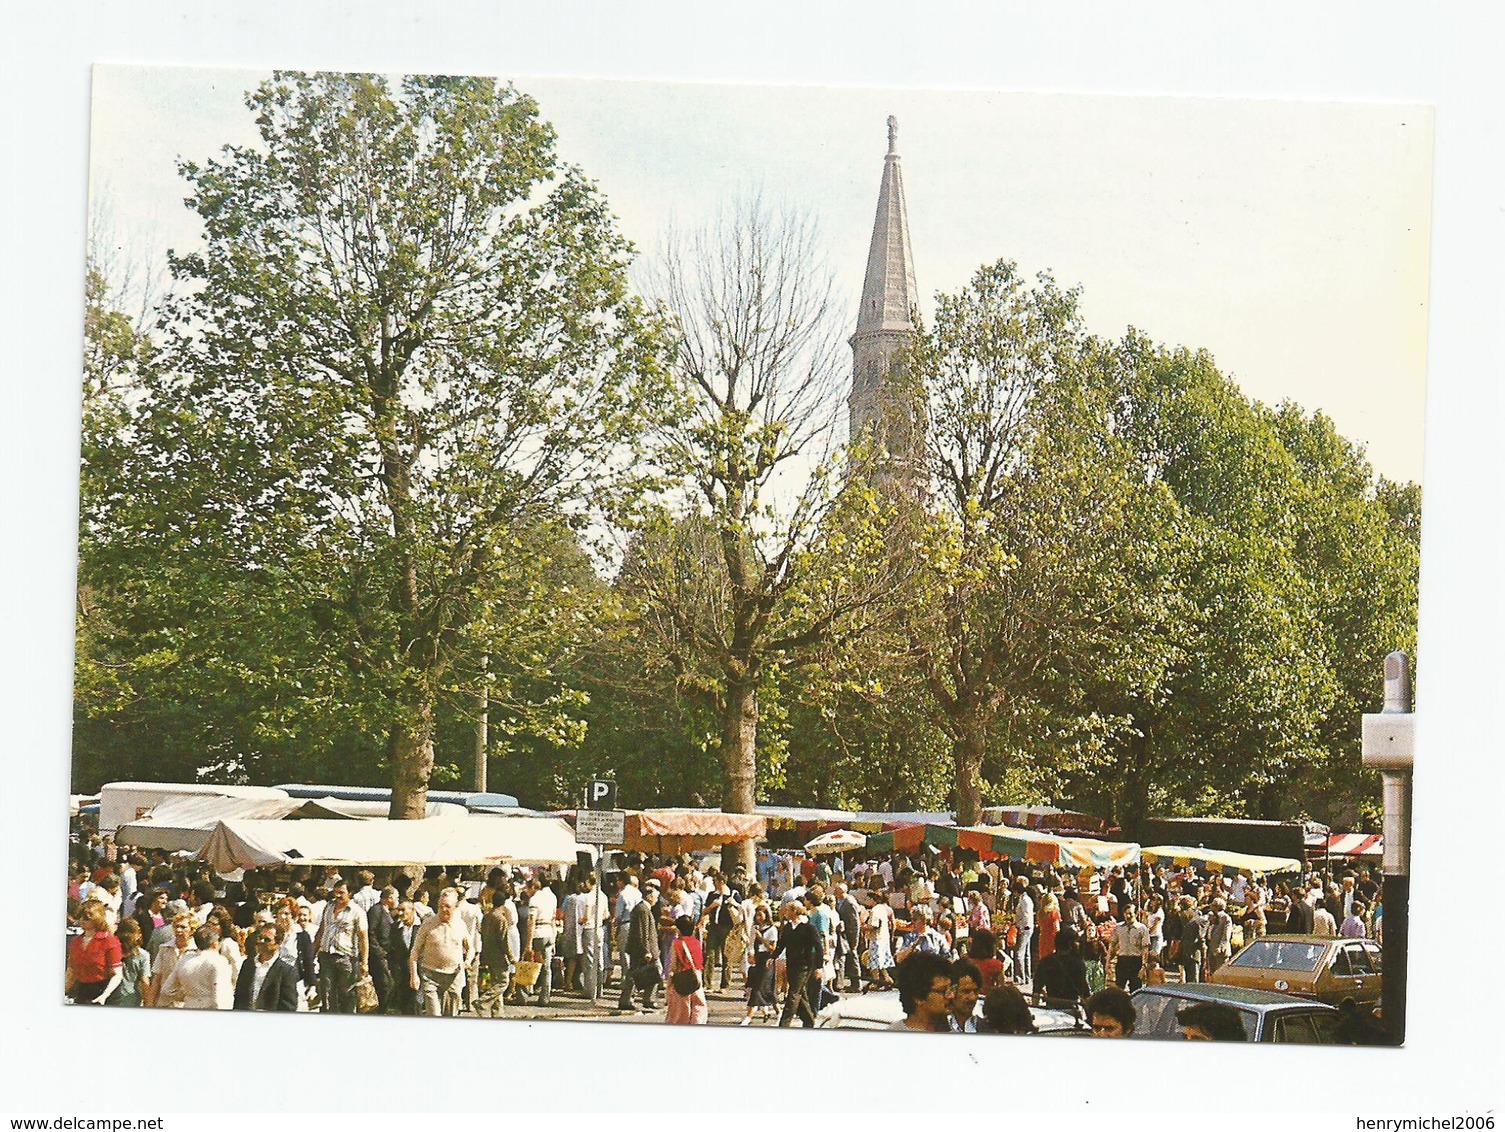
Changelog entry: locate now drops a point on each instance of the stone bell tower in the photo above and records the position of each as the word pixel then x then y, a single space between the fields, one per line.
pixel 885 321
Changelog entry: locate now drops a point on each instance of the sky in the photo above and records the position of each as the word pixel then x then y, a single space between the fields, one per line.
pixel 1289 238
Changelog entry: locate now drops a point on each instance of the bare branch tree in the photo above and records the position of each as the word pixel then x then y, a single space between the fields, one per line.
pixel 778 549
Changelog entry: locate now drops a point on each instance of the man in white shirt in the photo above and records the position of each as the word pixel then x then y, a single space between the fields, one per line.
pixel 107 892
pixel 593 915
pixel 202 979
pixel 1323 923
pixel 369 896
pixel 128 886
pixel 542 905
pixel 1131 943
pixel 627 898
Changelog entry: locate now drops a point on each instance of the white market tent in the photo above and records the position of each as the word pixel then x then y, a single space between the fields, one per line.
pixel 474 840
pixel 182 824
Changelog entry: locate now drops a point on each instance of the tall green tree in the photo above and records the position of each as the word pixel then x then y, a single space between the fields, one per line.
pixel 408 341
pixel 1036 575
pixel 1293 582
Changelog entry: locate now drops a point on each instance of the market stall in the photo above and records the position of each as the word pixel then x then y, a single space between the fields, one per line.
pixel 1218 860
pixel 1049 819
pixel 990 841
pixel 792 826
pixel 182 824
pixel 473 840
pixel 685 831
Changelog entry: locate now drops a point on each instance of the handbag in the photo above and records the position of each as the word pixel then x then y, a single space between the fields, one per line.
pixel 366 1000
pixel 687 980
pixel 527 972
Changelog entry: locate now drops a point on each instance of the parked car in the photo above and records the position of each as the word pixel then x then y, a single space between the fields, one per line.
pixel 1267 1016
pixel 1308 966
pixel 879 1010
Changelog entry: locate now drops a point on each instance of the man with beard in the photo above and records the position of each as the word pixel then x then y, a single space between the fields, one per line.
pixel 342 945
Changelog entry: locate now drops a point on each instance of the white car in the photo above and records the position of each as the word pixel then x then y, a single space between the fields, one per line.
pixel 879 1010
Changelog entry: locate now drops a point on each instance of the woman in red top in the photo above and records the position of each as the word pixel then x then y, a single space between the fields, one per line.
pixel 95 964
pixel 686 956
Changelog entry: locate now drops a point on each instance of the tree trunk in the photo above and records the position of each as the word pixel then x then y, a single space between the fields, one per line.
pixel 412 756
pixel 967 752
pixel 739 755
pixel 1134 796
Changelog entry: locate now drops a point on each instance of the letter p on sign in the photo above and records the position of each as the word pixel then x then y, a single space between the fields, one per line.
pixel 602 795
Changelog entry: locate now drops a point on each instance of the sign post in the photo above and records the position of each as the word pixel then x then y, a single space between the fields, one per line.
pixel 600 824
pixel 1389 747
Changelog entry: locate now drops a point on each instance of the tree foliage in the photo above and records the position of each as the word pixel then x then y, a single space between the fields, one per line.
pixel 405 351
pixel 1035 572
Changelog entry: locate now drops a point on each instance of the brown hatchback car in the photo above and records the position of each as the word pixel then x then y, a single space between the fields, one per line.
pixel 1334 971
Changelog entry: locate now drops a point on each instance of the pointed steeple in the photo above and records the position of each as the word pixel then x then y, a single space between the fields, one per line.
pixel 885 318
pixel 888 290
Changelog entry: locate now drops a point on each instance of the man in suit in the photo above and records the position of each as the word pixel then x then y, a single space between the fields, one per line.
pixel 644 971
pixel 849 915
pixel 266 982
pixel 402 999
pixel 381 926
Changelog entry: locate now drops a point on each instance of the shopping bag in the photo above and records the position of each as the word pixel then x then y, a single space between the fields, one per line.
pixel 527 973
pixel 366 1000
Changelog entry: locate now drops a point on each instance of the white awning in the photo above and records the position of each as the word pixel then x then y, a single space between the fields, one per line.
pixel 479 839
pixel 182 824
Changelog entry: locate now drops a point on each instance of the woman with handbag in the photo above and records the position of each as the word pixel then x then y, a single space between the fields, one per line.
pixel 686 1002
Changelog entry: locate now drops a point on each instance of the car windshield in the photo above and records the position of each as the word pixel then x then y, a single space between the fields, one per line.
pixel 1281 955
pixel 1156 1016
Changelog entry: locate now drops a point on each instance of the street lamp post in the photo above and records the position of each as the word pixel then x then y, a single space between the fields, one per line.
pixel 1389 747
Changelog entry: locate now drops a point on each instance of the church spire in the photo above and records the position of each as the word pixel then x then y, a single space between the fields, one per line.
pixel 889 295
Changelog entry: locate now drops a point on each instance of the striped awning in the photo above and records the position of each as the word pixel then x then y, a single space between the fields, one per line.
pixel 1218 860
pixel 1008 842
pixel 1354 845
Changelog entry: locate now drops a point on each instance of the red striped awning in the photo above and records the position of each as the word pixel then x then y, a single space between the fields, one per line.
pixel 1355 845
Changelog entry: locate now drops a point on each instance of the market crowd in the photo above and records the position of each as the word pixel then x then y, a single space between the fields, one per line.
pixel 664 933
